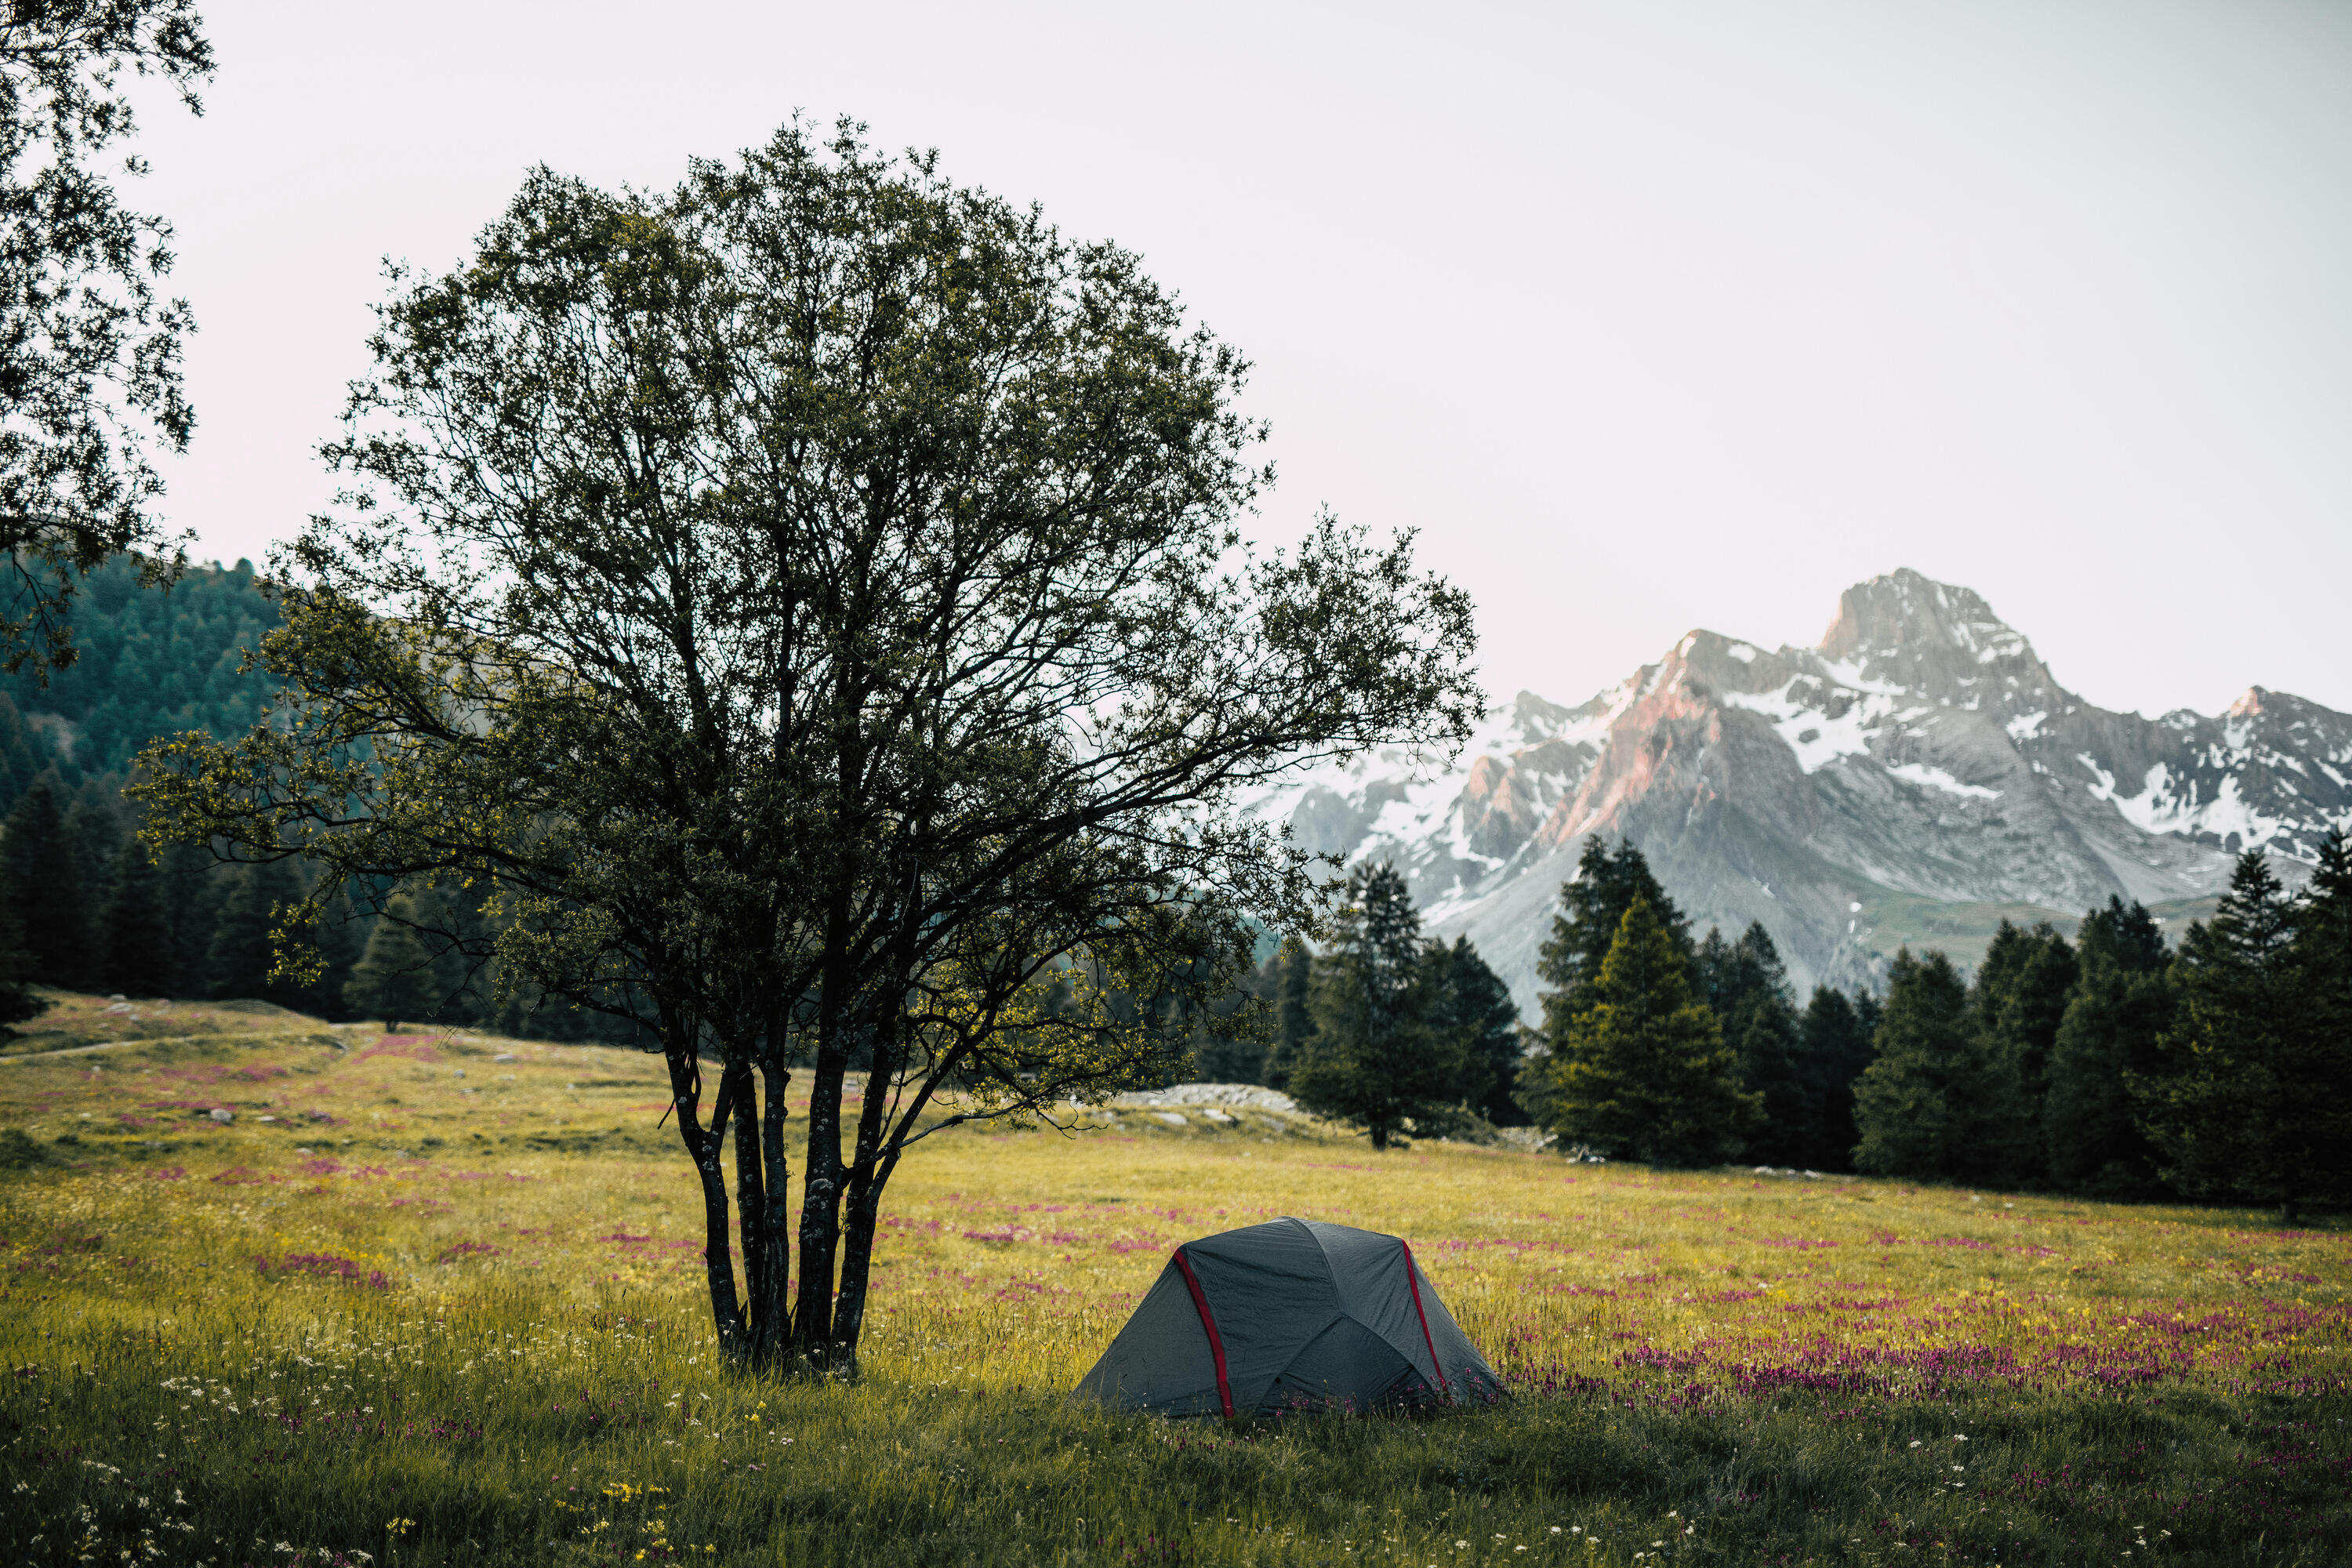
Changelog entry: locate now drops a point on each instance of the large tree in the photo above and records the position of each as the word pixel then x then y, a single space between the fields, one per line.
pixel 1747 986
pixel 1294 1018
pixel 90 352
pixel 1592 906
pixel 2117 1010
pixel 41 886
pixel 1930 1105
pixel 811 604
pixel 1373 1058
pixel 1643 1071
pixel 2247 1100
pixel 1836 1042
pixel 1476 1026
pixel 2018 998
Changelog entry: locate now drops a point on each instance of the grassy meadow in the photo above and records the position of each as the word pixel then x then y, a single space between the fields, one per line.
pixel 435 1298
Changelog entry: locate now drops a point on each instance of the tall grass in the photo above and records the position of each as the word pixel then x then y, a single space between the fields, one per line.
pixel 424 1318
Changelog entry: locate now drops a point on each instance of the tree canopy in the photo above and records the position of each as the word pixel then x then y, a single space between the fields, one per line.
pixel 1374 1058
pixel 810 606
pixel 90 350
pixel 2247 1099
pixel 1643 1071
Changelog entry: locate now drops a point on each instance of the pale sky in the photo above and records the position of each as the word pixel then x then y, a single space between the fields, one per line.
pixel 1649 315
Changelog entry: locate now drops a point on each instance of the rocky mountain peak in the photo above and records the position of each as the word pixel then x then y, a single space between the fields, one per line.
pixel 1919 778
pixel 1939 640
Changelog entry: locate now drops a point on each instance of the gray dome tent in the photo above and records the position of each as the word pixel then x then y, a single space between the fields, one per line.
pixel 1290 1312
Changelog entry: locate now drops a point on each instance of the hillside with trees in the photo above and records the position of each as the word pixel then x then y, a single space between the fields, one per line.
pixel 85 906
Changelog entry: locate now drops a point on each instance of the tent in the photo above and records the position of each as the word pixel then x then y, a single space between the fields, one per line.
pixel 1288 1313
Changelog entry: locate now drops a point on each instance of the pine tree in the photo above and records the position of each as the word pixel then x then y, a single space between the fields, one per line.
pixel 1294 1020
pixel 138 960
pixel 1223 1053
pixel 1473 1021
pixel 43 893
pixel 394 978
pixel 2323 947
pixel 341 936
pixel 2019 998
pixel 1592 907
pixel 2243 1105
pixel 2322 959
pixel 241 959
pixel 23 757
pixel 1747 986
pixel 1836 1047
pixel 1924 1107
pixel 1643 1071
pixel 1371 1060
pixel 2117 1012
pixel 193 887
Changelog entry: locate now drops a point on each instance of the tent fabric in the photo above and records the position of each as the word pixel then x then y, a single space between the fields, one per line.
pixel 1293 1312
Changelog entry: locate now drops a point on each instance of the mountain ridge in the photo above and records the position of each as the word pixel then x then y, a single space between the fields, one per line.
pixel 1916 770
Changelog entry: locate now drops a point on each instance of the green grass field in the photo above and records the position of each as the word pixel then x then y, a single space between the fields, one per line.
pixel 434 1298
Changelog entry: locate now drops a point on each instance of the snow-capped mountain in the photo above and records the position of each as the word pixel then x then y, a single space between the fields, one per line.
pixel 1917 777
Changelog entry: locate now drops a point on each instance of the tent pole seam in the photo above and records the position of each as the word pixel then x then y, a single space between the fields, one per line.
pixel 1216 1341
pixel 1413 1283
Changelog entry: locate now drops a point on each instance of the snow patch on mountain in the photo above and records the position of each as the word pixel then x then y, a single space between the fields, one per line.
pixel 1937 778
pixel 1820 732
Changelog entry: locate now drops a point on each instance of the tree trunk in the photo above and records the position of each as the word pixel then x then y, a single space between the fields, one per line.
pixel 821 1193
pixel 773 1330
pixel 762 1294
pixel 702 1146
pixel 863 1210
pixel 2290 1210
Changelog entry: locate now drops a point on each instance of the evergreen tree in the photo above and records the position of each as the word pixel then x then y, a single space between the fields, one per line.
pixel 138 956
pixel 1836 1045
pixel 17 1002
pixel 193 884
pixel 1294 1020
pixel 394 978
pixel 1371 1060
pixel 341 936
pixel 1747 986
pixel 1924 1107
pixel 2125 934
pixel 42 888
pixel 2117 1012
pixel 2248 1102
pixel 1473 1022
pixel 2019 998
pixel 24 756
pixel 242 955
pixel 1223 1054
pixel 2322 957
pixel 1592 907
pixel 1643 1071
pixel 456 932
